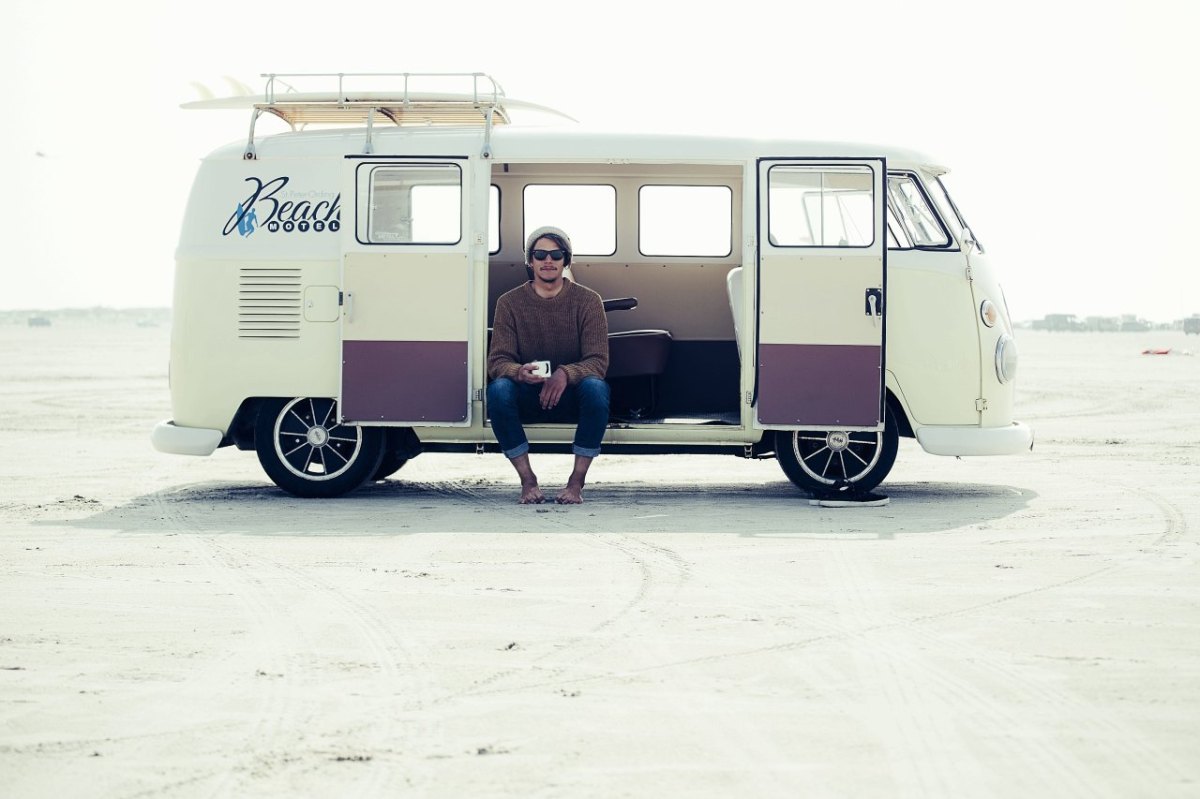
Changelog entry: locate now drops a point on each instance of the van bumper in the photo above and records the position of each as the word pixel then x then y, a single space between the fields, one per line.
pixel 174 440
pixel 947 440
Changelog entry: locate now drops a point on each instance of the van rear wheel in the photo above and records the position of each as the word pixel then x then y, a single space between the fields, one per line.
pixel 307 453
pixel 826 462
pixel 391 463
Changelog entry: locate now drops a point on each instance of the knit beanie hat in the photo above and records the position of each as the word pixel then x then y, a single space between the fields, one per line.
pixel 548 232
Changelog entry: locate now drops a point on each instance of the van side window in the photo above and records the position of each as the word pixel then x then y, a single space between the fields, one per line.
pixel 917 221
pixel 413 204
pixel 493 219
pixel 821 206
pixel 685 220
pixel 589 212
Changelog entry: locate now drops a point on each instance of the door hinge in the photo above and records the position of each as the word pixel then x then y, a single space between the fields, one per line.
pixel 341 299
pixel 970 276
pixel 749 398
pixel 477 395
pixel 981 404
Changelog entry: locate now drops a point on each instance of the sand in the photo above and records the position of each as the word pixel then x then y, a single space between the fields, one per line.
pixel 1021 626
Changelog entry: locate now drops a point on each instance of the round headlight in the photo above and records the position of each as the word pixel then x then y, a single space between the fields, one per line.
pixel 1006 358
pixel 989 313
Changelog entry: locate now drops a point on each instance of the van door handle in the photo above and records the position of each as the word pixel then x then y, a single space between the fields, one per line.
pixel 349 306
pixel 874 303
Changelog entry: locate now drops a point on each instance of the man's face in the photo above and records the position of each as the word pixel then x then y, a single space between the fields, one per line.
pixel 547 269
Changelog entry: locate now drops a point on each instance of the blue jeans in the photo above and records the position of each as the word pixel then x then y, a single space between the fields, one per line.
pixel 510 403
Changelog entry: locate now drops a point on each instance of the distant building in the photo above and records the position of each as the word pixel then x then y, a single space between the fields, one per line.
pixel 1058 322
pixel 1102 324
pixel 1132 324
pixel 1192 325
pixel 39 321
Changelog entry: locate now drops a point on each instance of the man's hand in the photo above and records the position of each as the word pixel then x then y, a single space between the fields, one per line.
pixel 526 374
pixel 552 389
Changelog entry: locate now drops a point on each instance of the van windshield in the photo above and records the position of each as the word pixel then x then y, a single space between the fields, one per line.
pixel 949 210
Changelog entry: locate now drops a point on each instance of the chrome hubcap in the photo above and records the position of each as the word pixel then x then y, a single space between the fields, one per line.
pixel 837 457
pixel 310 442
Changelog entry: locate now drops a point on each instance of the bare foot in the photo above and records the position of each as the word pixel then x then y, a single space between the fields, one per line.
pixel 532 495
pixel 571 495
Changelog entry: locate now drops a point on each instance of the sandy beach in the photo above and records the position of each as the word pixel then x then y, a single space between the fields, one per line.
pixel 1007 627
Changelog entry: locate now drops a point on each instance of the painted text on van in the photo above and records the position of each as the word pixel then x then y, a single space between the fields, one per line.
pixel 268 204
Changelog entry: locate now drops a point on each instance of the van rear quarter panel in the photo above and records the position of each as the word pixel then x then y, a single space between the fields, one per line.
pixel 215 364
pixel 242 227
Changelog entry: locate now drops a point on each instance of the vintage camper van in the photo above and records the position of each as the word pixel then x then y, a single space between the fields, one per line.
pixel 807 301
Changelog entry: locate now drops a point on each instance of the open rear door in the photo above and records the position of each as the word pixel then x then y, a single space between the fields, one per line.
pixel 821 291
pixel 406 282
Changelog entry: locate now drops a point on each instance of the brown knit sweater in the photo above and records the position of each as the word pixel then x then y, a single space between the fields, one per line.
pixel 570 330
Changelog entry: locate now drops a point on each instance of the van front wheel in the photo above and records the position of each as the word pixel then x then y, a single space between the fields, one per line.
pixel 307 453
pixel 826 462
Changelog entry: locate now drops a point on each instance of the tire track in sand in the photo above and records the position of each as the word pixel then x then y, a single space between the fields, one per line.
pixel 661 574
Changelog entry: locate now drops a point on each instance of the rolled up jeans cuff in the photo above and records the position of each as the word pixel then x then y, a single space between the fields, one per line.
pixel 586 452
pixel 517 451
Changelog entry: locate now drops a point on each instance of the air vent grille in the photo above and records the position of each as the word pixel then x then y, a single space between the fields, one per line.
pixel 269 302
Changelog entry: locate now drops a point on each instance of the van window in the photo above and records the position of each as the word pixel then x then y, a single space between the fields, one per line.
pixel 918 223
pixel 493 219
pixel 588 214
pixel 949 209
pixel 413 204
pixel 821 206
pixel 685 220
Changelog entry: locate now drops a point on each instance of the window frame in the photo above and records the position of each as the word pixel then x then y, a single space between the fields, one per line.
pixel 363 224
pixel 949 246
pixel 499 219
pixel 819 168
pixel 576 252
pixel 730 218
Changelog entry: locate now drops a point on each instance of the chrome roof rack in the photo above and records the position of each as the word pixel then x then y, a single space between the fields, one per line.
pixel 401 98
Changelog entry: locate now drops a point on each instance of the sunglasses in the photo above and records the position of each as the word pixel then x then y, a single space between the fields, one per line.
pixel 555 255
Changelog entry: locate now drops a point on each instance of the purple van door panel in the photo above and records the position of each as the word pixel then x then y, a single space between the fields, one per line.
pixel 819 384
pixel 404 381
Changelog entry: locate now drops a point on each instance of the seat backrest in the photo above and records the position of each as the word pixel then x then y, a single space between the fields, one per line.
pixel 733 284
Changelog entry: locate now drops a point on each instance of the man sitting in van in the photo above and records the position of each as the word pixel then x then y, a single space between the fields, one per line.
pixel 549 319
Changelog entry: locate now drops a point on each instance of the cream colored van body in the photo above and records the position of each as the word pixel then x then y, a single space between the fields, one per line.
pixel 333 291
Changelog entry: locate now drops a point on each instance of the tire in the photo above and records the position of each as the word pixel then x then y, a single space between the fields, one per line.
pixel 824 462
pixel 304 450
pixel 389 465
pixel 400 445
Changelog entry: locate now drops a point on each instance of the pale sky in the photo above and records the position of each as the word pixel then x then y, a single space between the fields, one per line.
pixel 1064 124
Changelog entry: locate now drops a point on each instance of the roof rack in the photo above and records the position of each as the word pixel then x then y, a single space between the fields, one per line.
pixel 446 98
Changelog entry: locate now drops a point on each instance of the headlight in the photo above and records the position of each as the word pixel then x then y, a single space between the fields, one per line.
pixel 989 313
pixel 1006 358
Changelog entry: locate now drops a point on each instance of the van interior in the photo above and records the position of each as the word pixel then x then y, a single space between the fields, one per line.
pixel 667 235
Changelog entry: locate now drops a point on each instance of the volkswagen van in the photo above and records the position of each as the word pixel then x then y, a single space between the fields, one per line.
pixel 803 300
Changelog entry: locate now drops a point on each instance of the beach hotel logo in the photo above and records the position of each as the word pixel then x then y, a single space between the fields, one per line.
pixel 272 205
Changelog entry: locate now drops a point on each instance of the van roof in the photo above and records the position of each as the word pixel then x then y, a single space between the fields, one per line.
pixel 568 145
pixel 478 117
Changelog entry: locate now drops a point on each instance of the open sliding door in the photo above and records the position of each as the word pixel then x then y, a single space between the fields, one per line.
pixel 821 275
pixel 406 283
